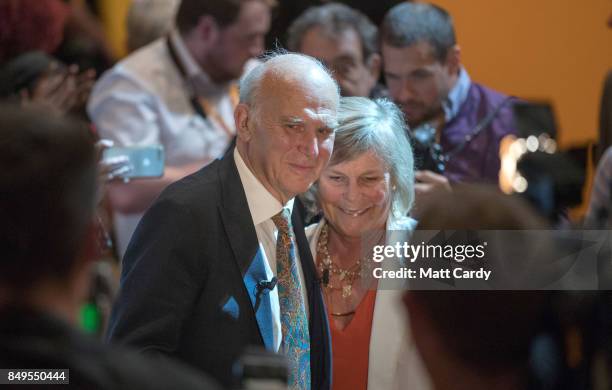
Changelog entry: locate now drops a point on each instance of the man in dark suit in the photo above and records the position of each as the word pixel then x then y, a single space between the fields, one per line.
pixel 48 239
pixel 220 261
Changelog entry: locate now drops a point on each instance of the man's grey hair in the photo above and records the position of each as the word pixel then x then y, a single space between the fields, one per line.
pixel 334 18
pixel 379 126
pixel 285 65
pixel 407 24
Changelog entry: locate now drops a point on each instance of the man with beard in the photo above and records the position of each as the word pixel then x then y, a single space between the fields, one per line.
pixel 425 77
pixel 179 91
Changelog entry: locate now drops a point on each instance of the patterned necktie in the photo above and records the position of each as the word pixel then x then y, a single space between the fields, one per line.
pixel 294 323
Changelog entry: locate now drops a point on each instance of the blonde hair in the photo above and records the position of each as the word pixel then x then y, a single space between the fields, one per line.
pixel 378 126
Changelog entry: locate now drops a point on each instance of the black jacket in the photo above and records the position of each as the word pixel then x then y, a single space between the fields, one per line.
pixel 39 341
pixel 187 279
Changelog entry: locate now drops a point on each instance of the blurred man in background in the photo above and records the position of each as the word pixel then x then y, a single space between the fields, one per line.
pixel 458 123
pixel 346 41
pixel 180 92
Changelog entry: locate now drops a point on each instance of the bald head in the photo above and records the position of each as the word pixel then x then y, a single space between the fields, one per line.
pixel 291 70
pixel 285 122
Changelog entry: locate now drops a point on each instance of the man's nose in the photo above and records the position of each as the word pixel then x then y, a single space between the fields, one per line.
pixel 406 92
pixel 309 144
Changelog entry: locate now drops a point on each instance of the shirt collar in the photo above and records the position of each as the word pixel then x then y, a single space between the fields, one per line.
pixel 457 95
pixel 262 204
pixel 184 56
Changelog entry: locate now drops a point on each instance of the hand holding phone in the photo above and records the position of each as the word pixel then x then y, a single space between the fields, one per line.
pixel 140 161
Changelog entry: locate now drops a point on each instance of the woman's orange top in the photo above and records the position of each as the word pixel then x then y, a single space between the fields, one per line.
pixel 351 347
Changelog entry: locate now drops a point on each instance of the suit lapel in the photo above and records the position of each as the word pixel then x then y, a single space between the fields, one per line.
pixel 387 322
pixel 392 363
pixel 261 299
pixel 387 328
pixel 394 360
pixel 303 248
pixel 237 221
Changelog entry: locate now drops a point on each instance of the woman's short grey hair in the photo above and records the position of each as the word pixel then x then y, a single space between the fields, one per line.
pixel 379 126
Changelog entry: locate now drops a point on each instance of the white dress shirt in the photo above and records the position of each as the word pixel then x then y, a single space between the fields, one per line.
pixel 144 100
pixel 263 206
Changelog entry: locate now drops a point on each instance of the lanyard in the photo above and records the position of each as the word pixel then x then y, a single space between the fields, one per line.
pixel 201 106
pixel 214 114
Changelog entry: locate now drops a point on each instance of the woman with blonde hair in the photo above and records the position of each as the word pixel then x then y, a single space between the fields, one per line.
pixel 366 191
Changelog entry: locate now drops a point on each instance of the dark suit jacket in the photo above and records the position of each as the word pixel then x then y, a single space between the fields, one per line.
pixel 189 276
pixel 35 340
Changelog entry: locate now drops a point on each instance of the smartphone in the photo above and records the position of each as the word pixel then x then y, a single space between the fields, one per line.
pixel 144 161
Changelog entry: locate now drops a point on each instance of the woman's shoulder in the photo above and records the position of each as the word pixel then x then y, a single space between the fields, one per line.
pixel 314 230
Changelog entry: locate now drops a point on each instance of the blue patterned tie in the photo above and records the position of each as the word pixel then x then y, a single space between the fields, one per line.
pixel 294 323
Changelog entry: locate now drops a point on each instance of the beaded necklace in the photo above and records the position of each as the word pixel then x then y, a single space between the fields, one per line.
pixel 327 268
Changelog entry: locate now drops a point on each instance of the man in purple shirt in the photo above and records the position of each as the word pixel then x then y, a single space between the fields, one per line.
pixel 423 71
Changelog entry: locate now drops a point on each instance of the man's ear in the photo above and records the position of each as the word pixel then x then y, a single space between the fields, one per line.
pixel 241 119
pixel 453 59
pixel 207 30
pixel 374 64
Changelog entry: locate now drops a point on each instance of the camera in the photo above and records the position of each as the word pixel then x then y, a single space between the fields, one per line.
pixel 534 167
pixel 428 153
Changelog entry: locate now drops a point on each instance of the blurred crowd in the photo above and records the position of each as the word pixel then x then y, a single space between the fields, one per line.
pixel 289 136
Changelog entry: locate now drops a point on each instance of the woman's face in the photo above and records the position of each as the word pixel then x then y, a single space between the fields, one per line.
pixel 355 195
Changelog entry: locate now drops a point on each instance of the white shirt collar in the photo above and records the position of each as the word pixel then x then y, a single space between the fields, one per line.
pixel 262 204
pixel 457 95
pixel 192 68
pixel 196 77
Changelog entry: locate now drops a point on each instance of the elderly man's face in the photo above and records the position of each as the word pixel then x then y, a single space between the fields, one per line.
pixel 289 137
pixel 343 54
pixel 240 41
pixel 417 81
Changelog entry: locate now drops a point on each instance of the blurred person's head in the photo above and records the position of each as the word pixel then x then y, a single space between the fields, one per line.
pixel 48 187
pixel 29 25
pixel 421 58
pixel 371 171
pixel 285 122
pixel 148 20
pixel 477 339
pixel 345 40
pixel 222 35
pixel 482 207
pixel 24 72
pixel 35 78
